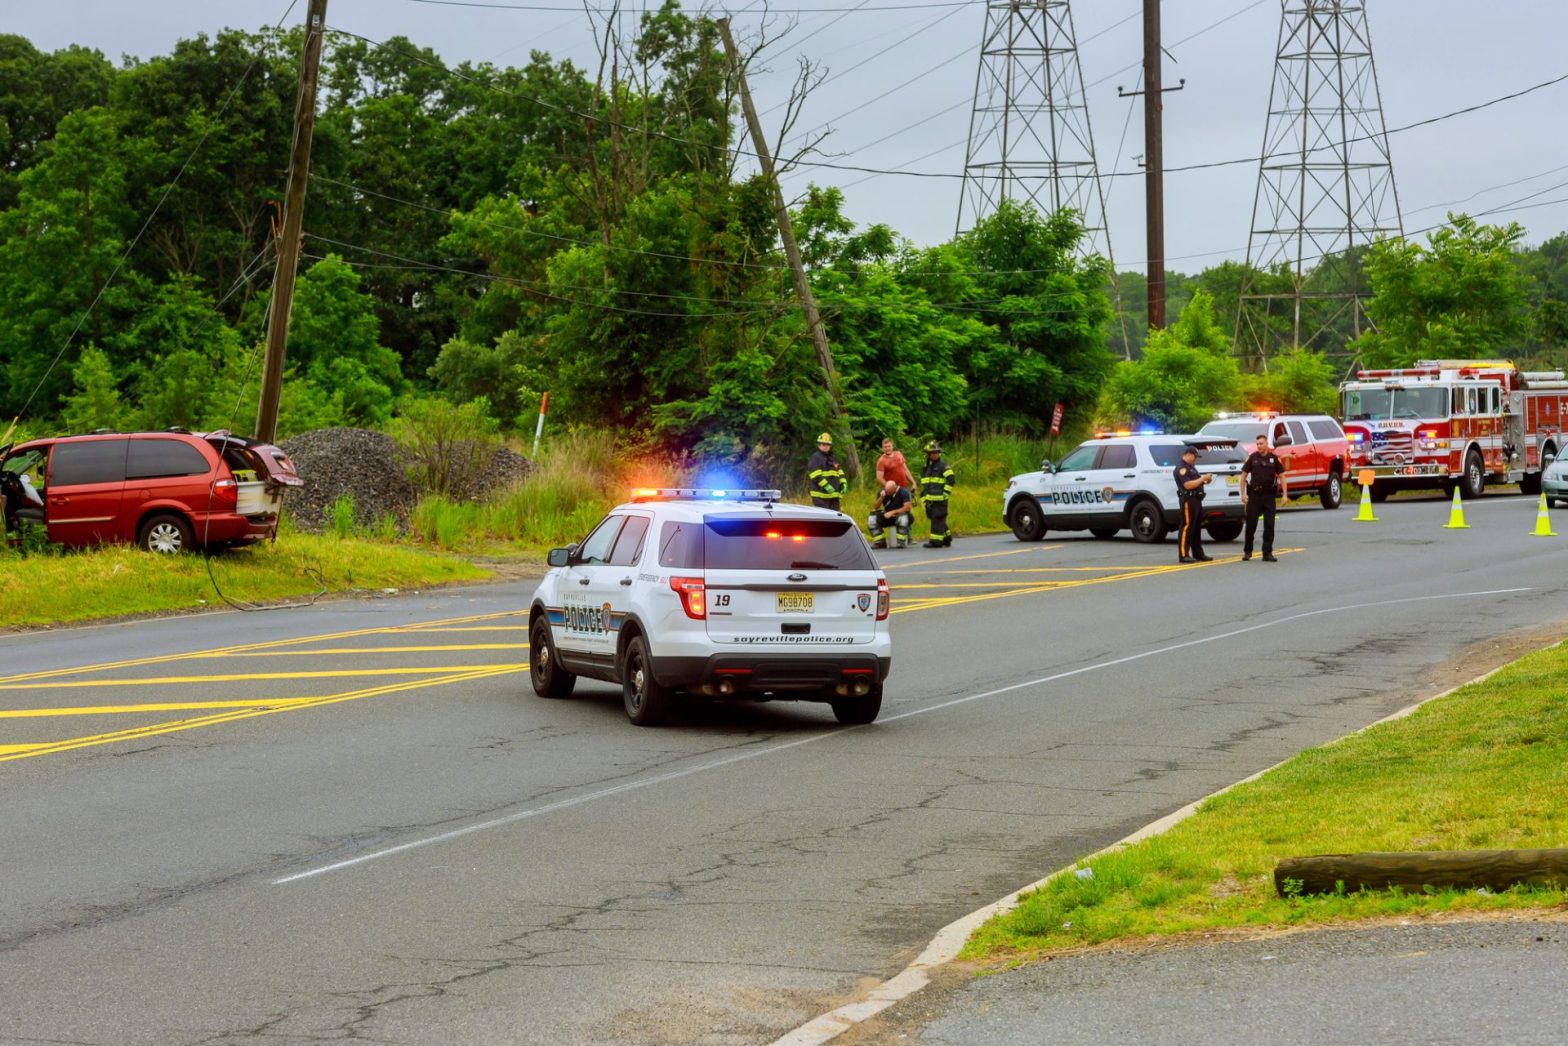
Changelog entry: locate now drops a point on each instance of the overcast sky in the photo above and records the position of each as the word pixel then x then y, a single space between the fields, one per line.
pixel 1433 56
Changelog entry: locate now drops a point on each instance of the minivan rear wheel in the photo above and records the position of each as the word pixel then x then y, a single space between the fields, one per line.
pixel 165 534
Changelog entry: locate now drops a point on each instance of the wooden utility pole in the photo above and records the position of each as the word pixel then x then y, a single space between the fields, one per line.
pixel 293 216
pixel 797 270
pixel 1154 161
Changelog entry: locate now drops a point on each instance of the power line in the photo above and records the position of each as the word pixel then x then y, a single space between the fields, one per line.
pixel 772 10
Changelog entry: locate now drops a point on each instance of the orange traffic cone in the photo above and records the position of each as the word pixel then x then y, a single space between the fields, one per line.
pixel 1364 513
pixel 1543 522
pixel 1456 515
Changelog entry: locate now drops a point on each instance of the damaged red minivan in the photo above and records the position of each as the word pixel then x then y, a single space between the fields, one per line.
pixel 164 491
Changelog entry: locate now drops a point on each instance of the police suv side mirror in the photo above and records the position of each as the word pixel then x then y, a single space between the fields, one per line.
pixel 1046 466
pixel 560 557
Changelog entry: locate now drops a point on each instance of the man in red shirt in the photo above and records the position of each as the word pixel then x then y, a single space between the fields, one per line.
pixel 891 466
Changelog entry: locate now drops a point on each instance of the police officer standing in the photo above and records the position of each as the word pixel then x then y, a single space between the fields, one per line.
pixel 1263 477
pixel 824 476
pixel 936 489
pixel 1189 491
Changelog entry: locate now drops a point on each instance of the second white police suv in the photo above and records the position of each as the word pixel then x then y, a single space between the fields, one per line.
pixel 1126 482
pixel 720 593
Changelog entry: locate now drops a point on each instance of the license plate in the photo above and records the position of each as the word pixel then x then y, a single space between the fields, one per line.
pixel 795 602
pixel 1233 481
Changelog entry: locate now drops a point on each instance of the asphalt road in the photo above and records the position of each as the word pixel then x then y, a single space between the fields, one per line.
pixel 356 821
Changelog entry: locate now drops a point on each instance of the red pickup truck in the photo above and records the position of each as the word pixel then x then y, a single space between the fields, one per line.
pixel 1312 446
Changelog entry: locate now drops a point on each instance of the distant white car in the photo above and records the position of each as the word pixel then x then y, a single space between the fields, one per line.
pixel 1125 482
pixel 1554 481
pixel 718 593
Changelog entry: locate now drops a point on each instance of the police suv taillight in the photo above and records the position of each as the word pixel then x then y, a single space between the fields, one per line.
pixel 884 599
pixel 694 598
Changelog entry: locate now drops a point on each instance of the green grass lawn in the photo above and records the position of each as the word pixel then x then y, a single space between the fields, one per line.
pixel 1483 768
pixel 54 587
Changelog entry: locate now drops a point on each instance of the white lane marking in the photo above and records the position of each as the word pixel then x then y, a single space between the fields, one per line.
pixel 730 760
pixel 950 939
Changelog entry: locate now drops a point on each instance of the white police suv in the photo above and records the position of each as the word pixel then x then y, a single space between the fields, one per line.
pixel 720 593
pixel 1125 482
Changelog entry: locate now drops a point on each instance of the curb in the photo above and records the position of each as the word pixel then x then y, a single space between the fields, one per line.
pixel 949 940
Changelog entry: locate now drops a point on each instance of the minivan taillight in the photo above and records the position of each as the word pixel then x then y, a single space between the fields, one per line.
pixel 694 599
pixel 884 599
pixel 225 492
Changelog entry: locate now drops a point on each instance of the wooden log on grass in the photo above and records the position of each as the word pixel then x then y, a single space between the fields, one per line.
pixel 1496 870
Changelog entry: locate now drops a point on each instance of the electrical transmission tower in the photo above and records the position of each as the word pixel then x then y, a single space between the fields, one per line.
pixel 1029 135
pixel 1325 186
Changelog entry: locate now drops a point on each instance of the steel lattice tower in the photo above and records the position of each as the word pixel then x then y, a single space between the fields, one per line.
pixel 1325 185
pixel 1029 134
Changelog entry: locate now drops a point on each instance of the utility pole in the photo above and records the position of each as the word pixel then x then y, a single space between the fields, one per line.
pixel 293 216
pixel 1154 156
pixel 797 270
pixel 1154 161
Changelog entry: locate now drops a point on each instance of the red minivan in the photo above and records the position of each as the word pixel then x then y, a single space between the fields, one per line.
pixel 164 491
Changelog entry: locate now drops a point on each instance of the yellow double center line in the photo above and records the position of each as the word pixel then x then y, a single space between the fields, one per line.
pixel 228 711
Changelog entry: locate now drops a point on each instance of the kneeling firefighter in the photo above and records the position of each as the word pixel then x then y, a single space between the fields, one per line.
pixel 894 505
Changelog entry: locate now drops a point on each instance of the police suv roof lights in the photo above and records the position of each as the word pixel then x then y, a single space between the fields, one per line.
pixel 704 494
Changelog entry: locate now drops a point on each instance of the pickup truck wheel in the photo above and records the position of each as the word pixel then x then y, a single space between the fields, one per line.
pixel 1146 521
pixel 1332 492
pixel 165 534
pixel 1104 533
pixel 1473 482
pixel 1224 531
pixel 858 710
pixel 1026 519
pixel 546 674
pixel 647 701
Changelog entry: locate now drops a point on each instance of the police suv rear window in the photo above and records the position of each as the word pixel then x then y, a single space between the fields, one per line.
pixel 783 544
pixel 1168 455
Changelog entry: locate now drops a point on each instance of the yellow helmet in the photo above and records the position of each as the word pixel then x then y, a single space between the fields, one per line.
pixel 825 438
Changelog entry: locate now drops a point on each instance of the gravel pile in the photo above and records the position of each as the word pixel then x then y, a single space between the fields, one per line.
pixel 365 465
pixel 373 470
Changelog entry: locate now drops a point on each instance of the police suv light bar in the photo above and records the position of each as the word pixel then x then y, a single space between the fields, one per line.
pixel 704 494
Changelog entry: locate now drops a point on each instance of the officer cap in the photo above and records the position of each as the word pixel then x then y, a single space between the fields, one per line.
pixel 1190 449
pixel 933 447
pixel 825 438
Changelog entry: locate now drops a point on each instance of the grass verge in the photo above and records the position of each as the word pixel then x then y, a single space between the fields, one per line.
pixel 58 587
pixel 1483 768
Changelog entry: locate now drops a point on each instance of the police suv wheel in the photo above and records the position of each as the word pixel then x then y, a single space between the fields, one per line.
pixel 1026 519
pixel 1147 522
pixel 546 674
pixel 1225 531
pixel 647 701
pixel 858 710
pixel 1333 491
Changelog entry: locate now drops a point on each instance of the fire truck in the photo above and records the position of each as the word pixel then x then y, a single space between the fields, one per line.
pixel 1448 423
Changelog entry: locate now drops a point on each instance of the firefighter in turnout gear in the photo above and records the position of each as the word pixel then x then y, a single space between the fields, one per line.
pixel 1189 491
pixel 936 488
pixel 1263 477
pixel 894 507
pixel 824 476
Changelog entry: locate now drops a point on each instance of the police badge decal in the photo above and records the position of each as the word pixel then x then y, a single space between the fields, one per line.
pixel 863 601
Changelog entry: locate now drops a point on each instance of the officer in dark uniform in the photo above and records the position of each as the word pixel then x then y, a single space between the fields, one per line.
pixel 825 479
pixel 1263 477
pixel 1189 491
pixel 936 490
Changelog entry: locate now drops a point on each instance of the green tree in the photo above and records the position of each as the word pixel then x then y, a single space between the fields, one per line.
pixel 1460 296
pixel 37 91
pixel 1049 310
pixel 182 344
pixel 1185 376
pixel 59 246
pixel 96 402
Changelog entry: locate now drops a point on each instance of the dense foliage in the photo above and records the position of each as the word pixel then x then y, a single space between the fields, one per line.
pixel 484 235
